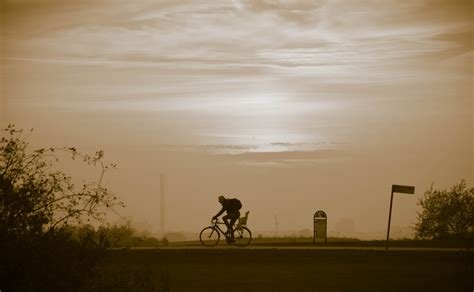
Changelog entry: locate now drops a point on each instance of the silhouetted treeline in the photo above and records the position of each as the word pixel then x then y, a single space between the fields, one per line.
pixel 39 250
pixel 117 236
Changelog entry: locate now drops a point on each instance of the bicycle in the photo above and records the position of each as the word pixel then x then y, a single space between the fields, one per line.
pixel 211 235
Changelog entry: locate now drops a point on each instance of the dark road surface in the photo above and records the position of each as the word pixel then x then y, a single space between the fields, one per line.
pixel 272 269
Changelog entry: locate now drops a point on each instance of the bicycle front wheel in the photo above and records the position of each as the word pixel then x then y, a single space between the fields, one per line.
pixel 242 236
pixel 209 236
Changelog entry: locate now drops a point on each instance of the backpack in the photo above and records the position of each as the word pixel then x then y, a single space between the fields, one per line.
pixel 234 204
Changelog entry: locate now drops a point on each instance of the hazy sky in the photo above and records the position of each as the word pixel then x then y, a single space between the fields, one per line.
pixel 291 106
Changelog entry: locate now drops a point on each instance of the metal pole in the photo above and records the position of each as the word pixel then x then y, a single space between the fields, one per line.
pixel 276 226
pixel 162 204
pixel 389 218
pixel 326 231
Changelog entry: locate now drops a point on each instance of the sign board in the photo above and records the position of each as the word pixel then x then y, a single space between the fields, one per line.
pixel 320 220
pixel 403 189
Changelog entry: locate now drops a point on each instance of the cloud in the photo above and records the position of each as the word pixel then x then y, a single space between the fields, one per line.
pixel 269 154
pixel 214 56
pixel 287 158
pixel 317 36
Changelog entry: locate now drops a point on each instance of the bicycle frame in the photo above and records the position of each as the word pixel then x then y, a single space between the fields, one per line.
pixel 216 227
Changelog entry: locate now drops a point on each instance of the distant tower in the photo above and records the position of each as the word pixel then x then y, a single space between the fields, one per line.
pixel 162 203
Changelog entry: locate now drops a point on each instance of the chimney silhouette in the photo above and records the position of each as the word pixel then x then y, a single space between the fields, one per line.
pixel 162 203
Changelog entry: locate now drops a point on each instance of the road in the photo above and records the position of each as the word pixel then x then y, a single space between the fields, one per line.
pixel 302 269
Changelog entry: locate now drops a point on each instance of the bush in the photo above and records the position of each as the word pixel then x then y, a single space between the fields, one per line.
pixel 446 214
pixel 116 235
pixel 37 204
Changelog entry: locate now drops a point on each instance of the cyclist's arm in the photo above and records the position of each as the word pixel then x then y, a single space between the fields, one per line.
pixel 220 212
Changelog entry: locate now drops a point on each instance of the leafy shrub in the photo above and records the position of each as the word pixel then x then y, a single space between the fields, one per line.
pixel 446 213
pixel 37 204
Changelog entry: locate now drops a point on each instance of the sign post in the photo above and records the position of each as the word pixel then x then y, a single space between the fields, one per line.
pixel 396 189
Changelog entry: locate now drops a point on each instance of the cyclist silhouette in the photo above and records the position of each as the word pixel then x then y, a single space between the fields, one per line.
pixel 232 207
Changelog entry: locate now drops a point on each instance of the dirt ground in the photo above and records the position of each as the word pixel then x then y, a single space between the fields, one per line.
pixel 274 269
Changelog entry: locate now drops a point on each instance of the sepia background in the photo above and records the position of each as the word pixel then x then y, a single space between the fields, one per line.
pixel 291 106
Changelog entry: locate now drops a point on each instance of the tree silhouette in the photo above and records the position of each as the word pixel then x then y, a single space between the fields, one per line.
pixel 37 203
pixel 446 213
pixel 35 197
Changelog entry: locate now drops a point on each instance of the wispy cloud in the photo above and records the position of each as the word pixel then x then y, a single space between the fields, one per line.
pixel 321 37
pixel 288 158
pixel 271 69
pixel 278 154
pixel 256 149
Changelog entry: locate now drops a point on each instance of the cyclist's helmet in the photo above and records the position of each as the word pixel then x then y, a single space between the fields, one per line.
pixel 221 199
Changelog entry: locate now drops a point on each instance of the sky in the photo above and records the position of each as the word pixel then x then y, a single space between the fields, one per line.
pixel 290 106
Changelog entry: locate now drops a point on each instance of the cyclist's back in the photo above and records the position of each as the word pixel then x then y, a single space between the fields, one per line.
pixel 231 207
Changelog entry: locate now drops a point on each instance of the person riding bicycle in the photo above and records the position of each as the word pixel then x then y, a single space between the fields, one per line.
pixel 232 207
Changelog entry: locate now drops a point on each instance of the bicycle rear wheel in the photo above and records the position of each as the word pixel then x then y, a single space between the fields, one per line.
pixel 242 236
pixel 209 236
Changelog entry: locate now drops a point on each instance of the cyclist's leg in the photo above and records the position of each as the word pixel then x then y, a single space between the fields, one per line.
pixel 233 218
pixel 226 220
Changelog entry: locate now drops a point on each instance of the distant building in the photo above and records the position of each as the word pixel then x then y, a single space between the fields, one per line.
pixel 345 227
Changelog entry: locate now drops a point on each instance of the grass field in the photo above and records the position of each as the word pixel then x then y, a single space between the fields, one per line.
pixel 263 268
